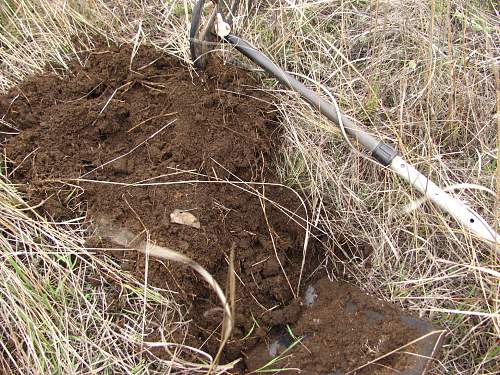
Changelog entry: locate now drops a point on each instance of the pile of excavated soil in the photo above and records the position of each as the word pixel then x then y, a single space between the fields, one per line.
pixel 131 142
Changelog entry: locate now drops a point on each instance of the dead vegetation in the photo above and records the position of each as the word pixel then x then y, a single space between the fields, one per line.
pixel 418 74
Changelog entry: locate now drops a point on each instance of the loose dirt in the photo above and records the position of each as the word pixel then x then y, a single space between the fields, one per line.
pixel 133 141
pixel 341 329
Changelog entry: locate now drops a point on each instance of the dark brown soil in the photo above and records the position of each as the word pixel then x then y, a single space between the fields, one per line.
pixel 344 329
pixel 213 126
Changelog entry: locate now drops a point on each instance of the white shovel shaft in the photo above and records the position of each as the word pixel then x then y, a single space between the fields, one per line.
pixel 460 212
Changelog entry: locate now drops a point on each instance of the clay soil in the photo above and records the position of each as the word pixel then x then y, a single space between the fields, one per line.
pixel 176 135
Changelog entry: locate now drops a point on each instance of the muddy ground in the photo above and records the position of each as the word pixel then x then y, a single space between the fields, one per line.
pixel 177 136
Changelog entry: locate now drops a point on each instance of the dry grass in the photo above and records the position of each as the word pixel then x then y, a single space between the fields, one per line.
pixel 418 74
pixel 65 309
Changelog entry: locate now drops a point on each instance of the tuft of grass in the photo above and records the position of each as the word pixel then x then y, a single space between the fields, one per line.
pixel 275 365
pixel 60 314
pixel 419 75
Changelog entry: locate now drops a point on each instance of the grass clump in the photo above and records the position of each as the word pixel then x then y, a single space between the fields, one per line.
pixel 58 314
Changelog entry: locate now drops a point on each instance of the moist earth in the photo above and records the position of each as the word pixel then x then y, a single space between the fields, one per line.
pixel 341 329
pixel 130 140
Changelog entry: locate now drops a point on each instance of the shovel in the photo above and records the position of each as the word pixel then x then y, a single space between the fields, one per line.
pixel 218 28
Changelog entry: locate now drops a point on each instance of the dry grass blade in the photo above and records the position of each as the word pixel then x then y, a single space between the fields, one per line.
pixel 125 238
pixel 397 350
pixel 228 322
